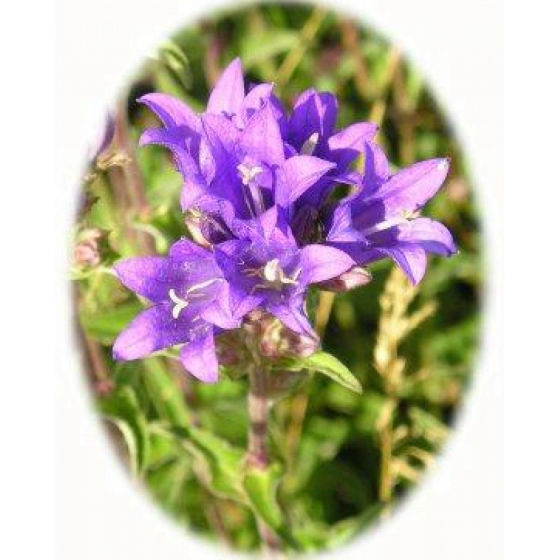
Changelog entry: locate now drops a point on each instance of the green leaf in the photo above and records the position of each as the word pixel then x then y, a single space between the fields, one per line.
pixel 264 46
pixel 122 409
pixel 261 487
pixel 164 391
pixel 327 364
pixel 105 326
pixel 219 464
pixel 344 531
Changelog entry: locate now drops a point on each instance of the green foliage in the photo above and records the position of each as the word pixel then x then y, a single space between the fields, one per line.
pixel 345 445
pixel 122 409
pixel 327 364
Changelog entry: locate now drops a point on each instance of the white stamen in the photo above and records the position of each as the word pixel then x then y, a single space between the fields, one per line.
pixel 272 271
pixel 273 275
pixel 404 218
pixel 310 144
pixel 202 285
pixel 247 174
pixel 180 303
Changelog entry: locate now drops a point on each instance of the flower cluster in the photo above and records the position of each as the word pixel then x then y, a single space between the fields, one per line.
pixel 258 188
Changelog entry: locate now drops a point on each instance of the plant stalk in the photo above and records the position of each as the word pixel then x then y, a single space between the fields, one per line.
pixel 257 449
pixel 257 453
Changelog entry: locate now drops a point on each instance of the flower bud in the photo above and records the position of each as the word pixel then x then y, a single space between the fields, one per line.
pixel 275 341
pixel 193 221
pixel 303 346
pixel 86 250
pixel 104 387
pixel 230 350
pixel 353 278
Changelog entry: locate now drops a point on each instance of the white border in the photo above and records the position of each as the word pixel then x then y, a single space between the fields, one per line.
pixel 457 513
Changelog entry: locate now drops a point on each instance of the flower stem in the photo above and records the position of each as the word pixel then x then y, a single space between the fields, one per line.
pixel 257 450
pixel 257 453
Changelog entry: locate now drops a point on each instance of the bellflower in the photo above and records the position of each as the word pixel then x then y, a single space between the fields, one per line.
pixel 311 130
pixel 265 268
pixel 256 192
pixel 243 154
pixel 382 219
pixel 185 135
pixel 191 305
pixel 247 171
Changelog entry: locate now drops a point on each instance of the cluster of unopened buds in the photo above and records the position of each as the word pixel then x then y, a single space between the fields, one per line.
pixel 258 186
pixel 87 248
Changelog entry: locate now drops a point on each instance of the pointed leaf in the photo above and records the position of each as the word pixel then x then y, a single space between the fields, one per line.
pixel 261 486
pixel 122 409
pixel 327 364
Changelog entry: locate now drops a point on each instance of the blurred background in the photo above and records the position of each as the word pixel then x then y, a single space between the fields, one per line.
pixel 349 459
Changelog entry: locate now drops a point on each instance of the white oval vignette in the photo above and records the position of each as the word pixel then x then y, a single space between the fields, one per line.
pixel 456 513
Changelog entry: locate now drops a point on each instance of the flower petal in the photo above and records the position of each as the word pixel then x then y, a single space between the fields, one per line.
pixel 243 298
pixel 347 144
pixel 215 314
pixel 228 94
pixel 150 277
pixel 176 141
pixel 185 249
pixel 314 113
pixel 199 357
pixel 412 187
pixel 256 99
pixel 293 318
pixel 341 228
pixel 154 329
pixel 171 111
pixel 261 138
pixel 321 262
pixel 410 258
pixel 433 236
pixel 299 173
pixel 376 167
pixel 268 221
pixel 219 311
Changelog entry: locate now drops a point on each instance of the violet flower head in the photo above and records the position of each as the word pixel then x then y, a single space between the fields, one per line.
pixel 191 305
pixel 382 219
pixel 244 154
pixel 257 186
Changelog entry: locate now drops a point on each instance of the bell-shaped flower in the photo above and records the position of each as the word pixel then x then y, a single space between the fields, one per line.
pixel 265 268
pixel 246 172
pixel 311 131
pixel 382 219
pixel 191 305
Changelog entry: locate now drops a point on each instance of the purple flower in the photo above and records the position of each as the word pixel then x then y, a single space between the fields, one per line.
pixel 265 268
pixel 382 218
pixel 243 155
pixel 311 130
pixel 257 193
pixel 248 172
pixel 192 304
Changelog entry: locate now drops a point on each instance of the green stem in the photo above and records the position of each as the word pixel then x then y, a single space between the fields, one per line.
pixel 257 449
pixel 257 453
